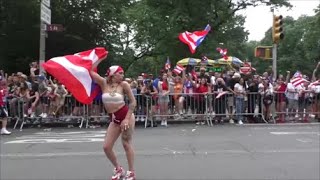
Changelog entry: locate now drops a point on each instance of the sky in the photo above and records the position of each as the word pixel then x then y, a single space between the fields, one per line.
pixel 259 19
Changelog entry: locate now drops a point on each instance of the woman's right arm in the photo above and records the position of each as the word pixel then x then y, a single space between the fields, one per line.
pixel 95 76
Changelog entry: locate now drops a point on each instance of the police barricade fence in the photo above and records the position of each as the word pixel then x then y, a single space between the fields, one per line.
pixel 205 108
pixel 296 107
pixel 65 110
pixel 47 111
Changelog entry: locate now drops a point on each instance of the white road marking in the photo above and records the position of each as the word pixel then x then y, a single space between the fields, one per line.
pixel 173 151
pixel 304 140
pixel 42 141
pixel 156 152
pixel 59 137
pixel 295 133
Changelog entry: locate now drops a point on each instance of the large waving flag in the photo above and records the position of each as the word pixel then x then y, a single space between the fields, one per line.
pixel 73 72
pixel 194 39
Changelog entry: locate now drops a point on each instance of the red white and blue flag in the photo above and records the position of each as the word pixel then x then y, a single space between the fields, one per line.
pixel 73 71
pixel 167 66
pixel 178 69
pixel 223 53
pixel 194 39
pixel 298 79
pixel 204 60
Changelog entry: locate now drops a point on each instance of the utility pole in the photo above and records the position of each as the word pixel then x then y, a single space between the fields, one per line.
pixel 277 36
pixel 45 18
pixel 274 52
pixel 42 50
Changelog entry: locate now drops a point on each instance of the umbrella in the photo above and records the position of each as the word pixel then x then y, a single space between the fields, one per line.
pixel 236 61
pixel 231 59
pixel 189 61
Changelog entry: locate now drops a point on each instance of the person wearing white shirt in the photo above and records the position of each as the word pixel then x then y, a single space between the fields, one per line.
pixel 239 89
pixel 266 91
pixel 293 97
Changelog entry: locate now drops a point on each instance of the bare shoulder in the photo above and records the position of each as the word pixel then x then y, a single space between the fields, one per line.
pixel 125 85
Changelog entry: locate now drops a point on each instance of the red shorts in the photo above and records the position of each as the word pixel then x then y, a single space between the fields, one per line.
pixel 120 115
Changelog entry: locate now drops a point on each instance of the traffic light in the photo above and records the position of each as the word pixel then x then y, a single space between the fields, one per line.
pixel 264 52
pixel 277 29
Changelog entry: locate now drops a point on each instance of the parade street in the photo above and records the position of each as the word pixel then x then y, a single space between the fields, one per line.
pixel 179 152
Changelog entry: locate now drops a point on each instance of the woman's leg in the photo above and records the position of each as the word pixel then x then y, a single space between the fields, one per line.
pixel 112 135
pixel 127 143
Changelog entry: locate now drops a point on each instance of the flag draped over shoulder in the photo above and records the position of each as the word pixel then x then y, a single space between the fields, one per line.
pixel 73 71
pixel 194 39
pixel 298 79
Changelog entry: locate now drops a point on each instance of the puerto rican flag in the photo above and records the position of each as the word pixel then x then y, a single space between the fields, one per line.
pixel 178 69
pixel 204 60
pixel 73 71
pixel 194 39
pixel 223 53
pixel 167 66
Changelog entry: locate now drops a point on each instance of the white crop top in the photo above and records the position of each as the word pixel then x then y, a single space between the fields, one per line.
pixel 116 98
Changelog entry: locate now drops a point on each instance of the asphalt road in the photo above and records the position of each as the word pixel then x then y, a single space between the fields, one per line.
pixel 179 152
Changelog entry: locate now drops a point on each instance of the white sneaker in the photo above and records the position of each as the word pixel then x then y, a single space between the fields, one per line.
pixel 4 131
pixel 231 121
pixel 240 122
pixel 45 115
pixel 118 173
pixel 130 176
pixel 165 123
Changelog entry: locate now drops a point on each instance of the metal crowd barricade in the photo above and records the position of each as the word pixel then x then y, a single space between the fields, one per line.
pixel 192 106
pixel 206 107
pixel 21 113
pixel 301 108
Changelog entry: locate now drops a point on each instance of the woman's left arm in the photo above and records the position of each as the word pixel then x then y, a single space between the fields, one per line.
pixel 132 100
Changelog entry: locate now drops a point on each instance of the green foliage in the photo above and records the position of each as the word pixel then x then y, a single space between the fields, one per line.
pixel 139 34
pixel 300 48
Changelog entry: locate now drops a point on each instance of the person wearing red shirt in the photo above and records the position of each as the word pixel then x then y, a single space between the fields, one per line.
pixel 3 110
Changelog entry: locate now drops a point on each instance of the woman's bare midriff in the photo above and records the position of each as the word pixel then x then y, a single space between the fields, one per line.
pixel 113 107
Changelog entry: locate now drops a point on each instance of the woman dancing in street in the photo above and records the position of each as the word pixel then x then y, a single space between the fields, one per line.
pixel 122 118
